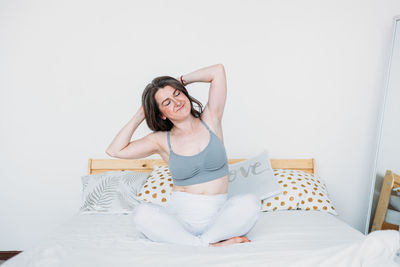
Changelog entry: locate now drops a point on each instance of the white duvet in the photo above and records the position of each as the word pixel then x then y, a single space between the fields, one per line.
pixel 283 238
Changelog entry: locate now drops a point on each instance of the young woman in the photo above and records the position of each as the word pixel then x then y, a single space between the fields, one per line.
pixel 191 141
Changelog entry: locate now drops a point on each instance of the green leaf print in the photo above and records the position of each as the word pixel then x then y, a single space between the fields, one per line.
pixel 102 196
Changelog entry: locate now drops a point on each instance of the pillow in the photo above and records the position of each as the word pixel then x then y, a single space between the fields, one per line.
pixel 253 175
pixel 397 190
pixel 158 187
pixel 112 191
pixel 301 190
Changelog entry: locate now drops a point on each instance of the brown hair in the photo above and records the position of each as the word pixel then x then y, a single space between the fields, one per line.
pixel 150 106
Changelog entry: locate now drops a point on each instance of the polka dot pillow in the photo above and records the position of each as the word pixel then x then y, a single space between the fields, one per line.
pixel 302 191
pixel 158 187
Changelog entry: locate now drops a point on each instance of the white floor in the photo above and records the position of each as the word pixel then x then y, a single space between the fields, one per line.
pixel 1 262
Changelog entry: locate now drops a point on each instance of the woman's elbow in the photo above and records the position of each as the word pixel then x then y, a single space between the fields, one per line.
pixel 111 154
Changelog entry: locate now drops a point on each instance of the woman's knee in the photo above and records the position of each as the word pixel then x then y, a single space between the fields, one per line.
pixel 249 201
pixel 142 213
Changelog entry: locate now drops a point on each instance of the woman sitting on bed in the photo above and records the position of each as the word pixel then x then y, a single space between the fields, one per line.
pixel 191 141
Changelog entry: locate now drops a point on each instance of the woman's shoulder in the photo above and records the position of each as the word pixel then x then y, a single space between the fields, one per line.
pixel 159 135
pixel 160 139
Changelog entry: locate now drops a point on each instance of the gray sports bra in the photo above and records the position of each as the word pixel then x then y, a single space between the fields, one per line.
pixel 208 165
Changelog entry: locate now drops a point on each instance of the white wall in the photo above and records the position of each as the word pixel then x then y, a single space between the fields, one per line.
pixel 389 146
pixel 305 79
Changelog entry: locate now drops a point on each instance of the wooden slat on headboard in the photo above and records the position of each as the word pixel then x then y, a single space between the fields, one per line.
pixel 146 165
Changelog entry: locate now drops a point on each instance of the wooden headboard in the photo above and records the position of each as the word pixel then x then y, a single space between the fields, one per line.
pixel 146 165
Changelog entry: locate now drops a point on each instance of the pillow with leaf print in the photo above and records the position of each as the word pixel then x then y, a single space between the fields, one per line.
pixel 112 191
pixel 158 187
pixel 302 190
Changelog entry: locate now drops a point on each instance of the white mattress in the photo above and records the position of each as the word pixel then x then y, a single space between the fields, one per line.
pixel 283 238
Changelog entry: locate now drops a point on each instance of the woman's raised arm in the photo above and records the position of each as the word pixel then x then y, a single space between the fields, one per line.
pixel 121 147
pixel 214 74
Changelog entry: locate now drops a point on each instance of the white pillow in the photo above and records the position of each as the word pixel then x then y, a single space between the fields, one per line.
pixel 255 176
pixel 112 191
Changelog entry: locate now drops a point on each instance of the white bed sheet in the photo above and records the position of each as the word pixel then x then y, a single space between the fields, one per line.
pixel 282 238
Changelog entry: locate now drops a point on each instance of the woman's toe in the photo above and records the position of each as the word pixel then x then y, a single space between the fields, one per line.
pixel 245 239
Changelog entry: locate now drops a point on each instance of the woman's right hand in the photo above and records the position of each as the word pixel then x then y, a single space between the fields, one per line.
pixel 140 114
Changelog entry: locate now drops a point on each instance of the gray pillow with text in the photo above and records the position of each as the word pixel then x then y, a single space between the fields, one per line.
pixel 255 176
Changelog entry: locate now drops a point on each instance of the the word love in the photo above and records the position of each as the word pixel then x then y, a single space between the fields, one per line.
pixel 245 171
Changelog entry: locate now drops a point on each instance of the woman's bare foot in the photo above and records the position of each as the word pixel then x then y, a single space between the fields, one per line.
pixel 230 241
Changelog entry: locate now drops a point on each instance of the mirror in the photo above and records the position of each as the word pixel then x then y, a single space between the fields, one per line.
pixel 388 147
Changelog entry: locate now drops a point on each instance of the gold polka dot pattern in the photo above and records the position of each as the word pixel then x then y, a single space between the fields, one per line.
pixel 302 191
pixel 158 187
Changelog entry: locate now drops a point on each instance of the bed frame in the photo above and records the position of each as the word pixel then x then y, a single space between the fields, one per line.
pixel 385 218
pixel 146 165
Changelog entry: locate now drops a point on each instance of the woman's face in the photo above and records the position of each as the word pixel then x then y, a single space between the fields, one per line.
pixel 172 103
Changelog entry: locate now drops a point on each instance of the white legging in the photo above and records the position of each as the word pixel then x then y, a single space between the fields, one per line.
pixel 197 219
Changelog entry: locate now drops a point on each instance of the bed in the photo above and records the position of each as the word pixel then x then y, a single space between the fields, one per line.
pixel 280 238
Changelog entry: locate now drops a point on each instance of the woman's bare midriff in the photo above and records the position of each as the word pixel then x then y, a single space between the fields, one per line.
pixel 214 187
